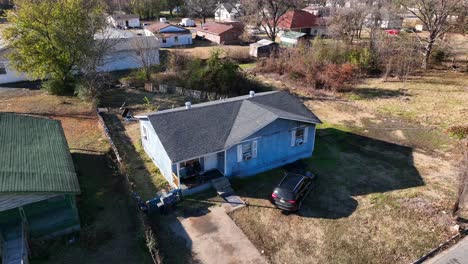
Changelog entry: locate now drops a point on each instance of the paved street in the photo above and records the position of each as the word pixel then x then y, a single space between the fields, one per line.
pixel 457 254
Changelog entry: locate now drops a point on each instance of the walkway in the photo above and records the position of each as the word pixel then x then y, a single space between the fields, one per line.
pixel 214 238
pixel 458 254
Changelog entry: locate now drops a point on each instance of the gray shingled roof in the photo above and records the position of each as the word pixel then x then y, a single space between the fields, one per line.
pixel 214 126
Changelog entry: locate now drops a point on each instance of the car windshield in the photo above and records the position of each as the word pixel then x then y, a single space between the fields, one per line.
pixel 284 194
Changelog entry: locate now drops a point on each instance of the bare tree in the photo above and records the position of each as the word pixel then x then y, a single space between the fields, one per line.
pixel 147 53
pixel 437 16
pixel 201 8
pixel 268 13
pixel 347 22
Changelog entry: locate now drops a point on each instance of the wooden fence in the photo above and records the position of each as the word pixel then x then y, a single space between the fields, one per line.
pixel 200 95
pixel 143 218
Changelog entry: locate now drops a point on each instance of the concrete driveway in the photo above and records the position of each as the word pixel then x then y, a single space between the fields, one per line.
pixel 458 254
pixel 215 238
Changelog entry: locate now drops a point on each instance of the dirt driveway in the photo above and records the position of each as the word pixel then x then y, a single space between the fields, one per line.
pixel 215 238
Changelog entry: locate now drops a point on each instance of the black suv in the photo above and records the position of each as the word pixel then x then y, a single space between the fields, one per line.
pixel 292 190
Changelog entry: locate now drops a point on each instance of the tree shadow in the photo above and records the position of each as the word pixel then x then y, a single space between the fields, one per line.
pixel 346 165
pixel 30 85
pixel 375 93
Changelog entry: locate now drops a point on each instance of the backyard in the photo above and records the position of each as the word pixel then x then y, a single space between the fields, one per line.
pixel 103 196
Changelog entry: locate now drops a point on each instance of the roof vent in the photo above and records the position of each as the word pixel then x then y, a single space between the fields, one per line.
pixel 188 105
pixel 252 93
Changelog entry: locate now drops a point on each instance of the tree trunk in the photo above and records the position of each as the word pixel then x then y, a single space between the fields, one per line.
pixel 428 52
pixel 203 19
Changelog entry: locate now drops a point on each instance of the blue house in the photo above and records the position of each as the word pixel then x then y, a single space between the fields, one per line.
pixel 239 136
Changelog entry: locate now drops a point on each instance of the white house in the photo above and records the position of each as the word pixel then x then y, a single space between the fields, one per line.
pixel 127 50
pixel 124 21
pixel 169 35
pixel 7 74
pixel 228 12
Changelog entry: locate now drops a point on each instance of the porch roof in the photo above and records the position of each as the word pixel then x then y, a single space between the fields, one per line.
pixel 214 126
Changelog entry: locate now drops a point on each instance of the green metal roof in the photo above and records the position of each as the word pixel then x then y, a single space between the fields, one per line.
pixel 34 156
pixel 293 34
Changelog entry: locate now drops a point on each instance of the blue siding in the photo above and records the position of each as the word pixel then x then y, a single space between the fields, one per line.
pixel 273 149
pixel 156 151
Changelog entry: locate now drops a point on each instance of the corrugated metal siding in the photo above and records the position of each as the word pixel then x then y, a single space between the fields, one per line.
pixel 34 156
pixel 10 201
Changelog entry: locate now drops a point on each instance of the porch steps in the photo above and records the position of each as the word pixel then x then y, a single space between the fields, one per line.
pixel 224 189
pixel 222 186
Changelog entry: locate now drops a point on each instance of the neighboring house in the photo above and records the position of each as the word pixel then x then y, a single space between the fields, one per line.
pixel 262 48
pixel 169 35
pixel 228 12
pixel 318 10
pixel 38 184
pixel 292 38
pixel 239 136
pixel 126 50
pixel 221 33
pixel 7 74
pixel 302 21
pixel 124 21
pixel 386 19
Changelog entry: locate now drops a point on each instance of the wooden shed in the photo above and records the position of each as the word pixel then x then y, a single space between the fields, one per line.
pixel 262 48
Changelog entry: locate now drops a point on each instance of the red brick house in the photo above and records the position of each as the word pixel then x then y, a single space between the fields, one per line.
pixel 221 33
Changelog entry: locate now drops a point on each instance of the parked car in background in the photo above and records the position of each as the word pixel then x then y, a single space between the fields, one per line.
pixel 292 190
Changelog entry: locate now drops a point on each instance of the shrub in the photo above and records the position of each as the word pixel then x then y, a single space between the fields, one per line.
pixel 58 87
pixel 459 131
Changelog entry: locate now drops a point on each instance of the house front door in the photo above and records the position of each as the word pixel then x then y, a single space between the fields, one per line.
pixel 211 162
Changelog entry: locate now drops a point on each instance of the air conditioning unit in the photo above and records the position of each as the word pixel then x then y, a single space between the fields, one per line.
pixel 299 142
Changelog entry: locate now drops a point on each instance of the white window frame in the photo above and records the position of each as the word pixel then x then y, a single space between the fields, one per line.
pixel 298 142
pixel 253 150
pixel 145 133
pixel 3 69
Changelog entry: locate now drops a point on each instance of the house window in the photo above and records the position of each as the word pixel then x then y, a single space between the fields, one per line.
pixel 299 136
pixel 176 39
pixel 164 40
pixel 2 68
pixel 247 151
pixel 145 134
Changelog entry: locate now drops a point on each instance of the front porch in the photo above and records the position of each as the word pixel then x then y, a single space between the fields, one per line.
pixel 196 174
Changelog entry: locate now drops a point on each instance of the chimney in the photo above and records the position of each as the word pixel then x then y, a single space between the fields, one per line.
pixel 188 105
pixel 252 93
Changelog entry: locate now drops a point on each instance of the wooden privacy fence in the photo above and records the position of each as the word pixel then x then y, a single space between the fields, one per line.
pixel 196 94
pixel 148 231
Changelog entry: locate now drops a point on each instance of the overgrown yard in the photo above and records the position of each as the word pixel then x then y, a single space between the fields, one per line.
pixel 109 229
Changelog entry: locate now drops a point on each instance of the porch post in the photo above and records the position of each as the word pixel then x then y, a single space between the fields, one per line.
pixel 178 174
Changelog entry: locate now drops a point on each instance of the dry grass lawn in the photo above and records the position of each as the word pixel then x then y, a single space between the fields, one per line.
pixel 387 176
